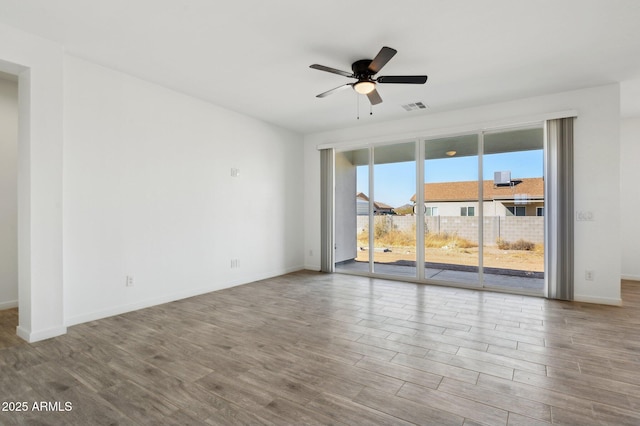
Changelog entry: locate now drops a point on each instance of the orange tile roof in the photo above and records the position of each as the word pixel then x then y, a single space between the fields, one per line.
pixel 362 196
pixel 468 190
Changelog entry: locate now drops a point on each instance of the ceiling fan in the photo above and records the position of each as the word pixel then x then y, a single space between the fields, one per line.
pixel 364 70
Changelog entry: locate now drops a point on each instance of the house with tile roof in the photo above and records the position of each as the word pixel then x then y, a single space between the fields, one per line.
pixel 520 197
pixel 362 203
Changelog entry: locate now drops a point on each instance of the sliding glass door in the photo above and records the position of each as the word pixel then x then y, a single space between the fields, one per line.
pixel 394 224
pixel 375 228
pixel 451 210
pixel 513 247
pixel 351 204
pixel 463 210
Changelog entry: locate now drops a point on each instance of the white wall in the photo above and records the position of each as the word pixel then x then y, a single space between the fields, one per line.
pixel 8 193
pixel 38 65
pixel 597 178
pixel 148 192
pixel 630 200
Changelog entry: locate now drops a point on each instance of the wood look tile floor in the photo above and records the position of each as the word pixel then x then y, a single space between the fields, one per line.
pixel 311 348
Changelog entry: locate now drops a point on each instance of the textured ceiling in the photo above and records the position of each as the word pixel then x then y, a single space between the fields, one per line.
pixel 253 56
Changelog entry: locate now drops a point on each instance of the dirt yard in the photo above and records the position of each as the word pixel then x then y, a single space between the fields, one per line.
pixel 493 257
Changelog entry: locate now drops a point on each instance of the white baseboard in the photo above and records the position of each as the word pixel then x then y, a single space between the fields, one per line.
pixel 597 300
pixel 630 277
pixel 315 268
pixel 122 309
pixel 35 336
pixel 8 305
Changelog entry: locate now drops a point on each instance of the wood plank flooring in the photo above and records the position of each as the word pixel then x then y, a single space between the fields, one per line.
pixel 311 348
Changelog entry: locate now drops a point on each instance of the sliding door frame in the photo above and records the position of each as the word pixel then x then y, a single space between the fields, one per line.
pixel 420 144
pixel 420 226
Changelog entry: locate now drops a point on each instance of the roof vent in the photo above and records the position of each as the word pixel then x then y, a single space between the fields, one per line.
pixel 414 106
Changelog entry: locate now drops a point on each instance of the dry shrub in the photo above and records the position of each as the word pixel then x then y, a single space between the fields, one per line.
pixel 395 238
pixel 381 227
pixel 386 235
pixel 363 237
pixel 518 245
pixel 444 239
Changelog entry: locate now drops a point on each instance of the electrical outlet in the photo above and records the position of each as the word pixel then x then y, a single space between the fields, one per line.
pixel 129 281
pixel 310 252
pixel 588 275
pixel 235 263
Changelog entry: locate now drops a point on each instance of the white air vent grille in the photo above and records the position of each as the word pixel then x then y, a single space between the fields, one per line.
pixel 414 106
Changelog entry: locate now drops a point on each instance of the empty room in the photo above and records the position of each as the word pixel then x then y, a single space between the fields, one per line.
pixel 295 212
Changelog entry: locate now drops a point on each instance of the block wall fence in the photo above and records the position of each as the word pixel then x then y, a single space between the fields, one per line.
pixel 507 228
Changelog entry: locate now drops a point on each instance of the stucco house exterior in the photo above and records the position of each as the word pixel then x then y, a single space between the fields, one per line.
pixel 519 197
pixel 362 206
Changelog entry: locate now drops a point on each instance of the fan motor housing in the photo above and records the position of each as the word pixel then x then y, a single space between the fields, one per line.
pixel 361 68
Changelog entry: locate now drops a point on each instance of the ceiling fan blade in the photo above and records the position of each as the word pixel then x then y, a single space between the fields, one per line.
pixel 374 97
pixel 402 79
pixel 337 89
pixel 331 70
pixel 381 59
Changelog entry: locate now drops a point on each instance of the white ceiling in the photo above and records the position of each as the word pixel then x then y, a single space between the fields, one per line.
pixel 253 56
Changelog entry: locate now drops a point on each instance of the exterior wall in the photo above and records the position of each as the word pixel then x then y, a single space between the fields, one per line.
pixel 530 209
pixel 463 226
pixel 362 207
pixel 400 223
pixel 491 208
pixel 452 208
pixel 345 208
pixel 513 228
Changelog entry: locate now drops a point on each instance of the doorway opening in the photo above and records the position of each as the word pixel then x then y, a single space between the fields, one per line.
pixel 8 208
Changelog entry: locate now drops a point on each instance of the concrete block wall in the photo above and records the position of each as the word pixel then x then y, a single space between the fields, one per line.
pixel 508 228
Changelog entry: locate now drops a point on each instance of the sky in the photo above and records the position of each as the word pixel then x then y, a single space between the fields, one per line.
pixel 395 182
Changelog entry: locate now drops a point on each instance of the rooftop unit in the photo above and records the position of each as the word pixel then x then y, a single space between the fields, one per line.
pixel 502 178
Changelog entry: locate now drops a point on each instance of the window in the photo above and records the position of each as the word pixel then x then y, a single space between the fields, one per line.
pixel 467 211
pixel 517 211
pixel 431 211
pixel 539 211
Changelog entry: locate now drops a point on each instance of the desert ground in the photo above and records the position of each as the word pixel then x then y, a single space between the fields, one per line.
pixel 493 257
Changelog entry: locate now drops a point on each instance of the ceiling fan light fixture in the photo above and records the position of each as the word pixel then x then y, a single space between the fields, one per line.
pixel 364 71
pixel 364 87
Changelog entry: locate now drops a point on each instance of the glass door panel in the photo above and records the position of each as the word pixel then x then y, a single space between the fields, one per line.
pixel 451 209
pixel 476 233
pixel 394 224
pixel 513 220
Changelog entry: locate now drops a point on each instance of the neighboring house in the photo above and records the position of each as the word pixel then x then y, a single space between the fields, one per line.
pixel 362 206
pixel 521 197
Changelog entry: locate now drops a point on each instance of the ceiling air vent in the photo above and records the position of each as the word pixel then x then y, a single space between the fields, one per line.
pixel 414 106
